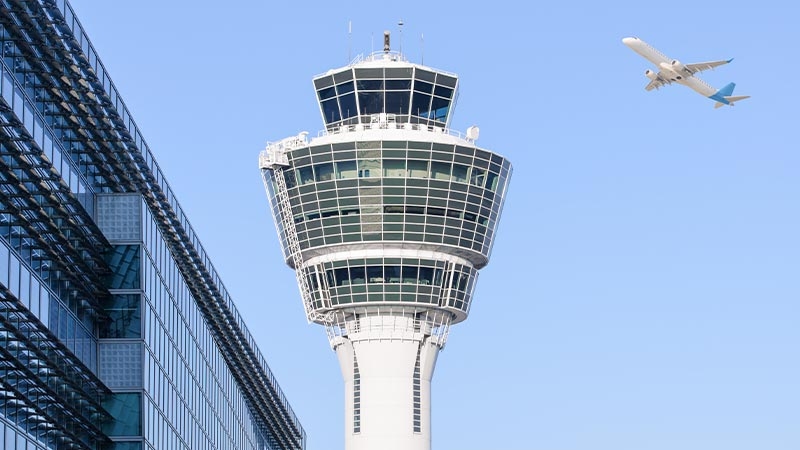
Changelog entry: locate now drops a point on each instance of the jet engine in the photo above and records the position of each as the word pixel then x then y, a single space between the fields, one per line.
pixel 678 66
pixel 650 74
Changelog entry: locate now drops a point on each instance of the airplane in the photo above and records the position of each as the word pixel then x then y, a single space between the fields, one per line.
pixel 673 71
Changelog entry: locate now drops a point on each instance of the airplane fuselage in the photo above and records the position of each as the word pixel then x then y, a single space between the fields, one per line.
pixel 691 82
pixel 674 70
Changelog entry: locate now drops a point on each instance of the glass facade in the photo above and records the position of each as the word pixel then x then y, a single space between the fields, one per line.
pixel 157 355
pixel 439 196
pixel 407 93
pixel 397 191
pixel 115 330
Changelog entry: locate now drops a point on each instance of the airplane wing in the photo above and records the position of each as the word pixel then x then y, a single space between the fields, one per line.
pixel 660 81
pixel 699 67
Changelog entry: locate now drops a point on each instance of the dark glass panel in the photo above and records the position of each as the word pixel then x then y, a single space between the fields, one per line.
pixel 439 108
pixel 124 262
pixel 344 88
pixel 326 93
pixel 410 274
pixel 341 276
pixel 394 144
pixel 478 177
pixel 369 73
pixel 125 446
pixel 460 173
pixel 370 102
pixel 425 75
pixel 321 152
pixel 369 85
pixel 421 146
pixel 305 175
pixel 482 154
pixel 291 178
pixel 398 102
pixel 324 171
pixel 126 411
pixel 394 168
pixel 348 105
pixel 346 169
pixel 421 86
pixel 446 80
pixel 125 317
pixel 330 110
pixel 491 181
pixel 426 275
pixel 323 82
pixel 331 278
pixel 340 146
pixel 375 274
pixel 357 275
pixel 398 72
pixel 343 76
pixel 421 105
pixel 442 91
pixel 392 274
pixel 393 153
pixel 440 170
pixel 468 151
pixel 398 85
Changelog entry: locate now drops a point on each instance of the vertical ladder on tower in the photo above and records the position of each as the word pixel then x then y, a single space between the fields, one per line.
pixel 274 159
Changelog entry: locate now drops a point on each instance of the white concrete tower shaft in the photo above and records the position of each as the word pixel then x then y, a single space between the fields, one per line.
pixel 387 371
pixel 386 217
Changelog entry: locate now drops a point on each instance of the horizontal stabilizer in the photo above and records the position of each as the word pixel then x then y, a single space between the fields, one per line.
pixel 731 100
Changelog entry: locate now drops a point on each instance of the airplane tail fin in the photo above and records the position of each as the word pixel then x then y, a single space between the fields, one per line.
pixel 726 94
pixel 727 90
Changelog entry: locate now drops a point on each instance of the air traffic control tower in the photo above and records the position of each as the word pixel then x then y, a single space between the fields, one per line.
pixel 386 216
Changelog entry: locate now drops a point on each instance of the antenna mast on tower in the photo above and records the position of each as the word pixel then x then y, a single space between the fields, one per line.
pixel 400 25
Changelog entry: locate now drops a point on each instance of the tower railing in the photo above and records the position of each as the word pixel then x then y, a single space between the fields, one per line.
pixel 381 55
pixel 388 322
pixel 374 122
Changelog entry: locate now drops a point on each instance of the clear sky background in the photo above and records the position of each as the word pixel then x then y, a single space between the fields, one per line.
pixel 644 289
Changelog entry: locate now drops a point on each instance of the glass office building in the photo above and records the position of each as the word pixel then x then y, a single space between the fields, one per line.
pixel 115 330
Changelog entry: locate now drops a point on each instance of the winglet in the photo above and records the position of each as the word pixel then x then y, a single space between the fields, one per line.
pixel 729 61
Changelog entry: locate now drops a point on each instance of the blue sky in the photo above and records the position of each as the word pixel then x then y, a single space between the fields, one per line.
pixel 643 290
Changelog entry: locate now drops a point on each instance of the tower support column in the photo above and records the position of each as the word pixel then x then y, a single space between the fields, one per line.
pixel 387 363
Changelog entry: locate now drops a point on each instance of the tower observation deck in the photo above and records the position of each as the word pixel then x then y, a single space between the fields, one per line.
pixel 386 216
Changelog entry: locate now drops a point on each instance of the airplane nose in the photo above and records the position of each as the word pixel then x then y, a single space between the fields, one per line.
pixel 629 40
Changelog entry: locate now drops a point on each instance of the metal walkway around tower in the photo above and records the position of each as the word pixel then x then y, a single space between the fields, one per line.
pixel 59 85
pixel 274 159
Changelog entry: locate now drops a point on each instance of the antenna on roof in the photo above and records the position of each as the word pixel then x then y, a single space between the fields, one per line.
pixel 400 25
pixel 422 48
pixel 385 42
pixel 349 40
